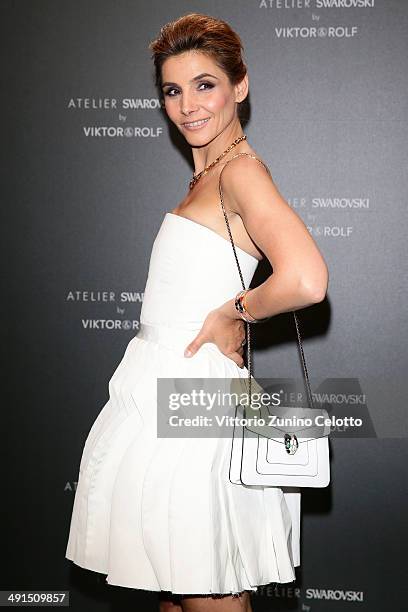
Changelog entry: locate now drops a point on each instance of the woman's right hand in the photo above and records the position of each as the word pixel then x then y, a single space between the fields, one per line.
pixel 226 329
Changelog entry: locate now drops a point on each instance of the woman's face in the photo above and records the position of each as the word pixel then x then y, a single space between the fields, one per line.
pixel 196 89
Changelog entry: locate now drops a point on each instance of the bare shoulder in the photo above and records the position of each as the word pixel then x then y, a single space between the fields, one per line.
pixel 244 160
pixel 274 227
pixel 244 175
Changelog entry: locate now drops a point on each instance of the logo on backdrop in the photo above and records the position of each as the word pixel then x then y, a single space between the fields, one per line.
pixel 98 301
pixel 310 593
pixel 121 107
pixel 313 210
pixel 319 28
pixel 71 486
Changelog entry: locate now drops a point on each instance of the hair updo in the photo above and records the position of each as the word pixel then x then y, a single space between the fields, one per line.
pixel 199 32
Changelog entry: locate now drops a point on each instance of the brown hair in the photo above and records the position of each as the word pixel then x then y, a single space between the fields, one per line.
pixel 200 32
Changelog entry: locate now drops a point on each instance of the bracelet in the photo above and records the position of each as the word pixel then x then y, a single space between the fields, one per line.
pixel 240 306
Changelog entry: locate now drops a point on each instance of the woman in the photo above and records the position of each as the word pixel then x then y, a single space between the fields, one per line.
pixel 160 514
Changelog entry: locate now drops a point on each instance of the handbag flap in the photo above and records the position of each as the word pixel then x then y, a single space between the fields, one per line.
pixel 274 421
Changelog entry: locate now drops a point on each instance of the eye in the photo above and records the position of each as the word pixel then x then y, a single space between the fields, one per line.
pixel 167 91
pixel 210 85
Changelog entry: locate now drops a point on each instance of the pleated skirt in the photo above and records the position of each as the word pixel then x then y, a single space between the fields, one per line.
pixel 160 514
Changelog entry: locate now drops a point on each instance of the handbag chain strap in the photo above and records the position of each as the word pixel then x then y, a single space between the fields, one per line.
pixel 248 325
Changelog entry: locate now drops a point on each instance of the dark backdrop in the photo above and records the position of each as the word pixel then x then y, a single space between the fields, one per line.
pixel 86 187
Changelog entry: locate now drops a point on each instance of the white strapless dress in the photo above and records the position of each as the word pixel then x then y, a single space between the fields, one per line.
pixel 161 514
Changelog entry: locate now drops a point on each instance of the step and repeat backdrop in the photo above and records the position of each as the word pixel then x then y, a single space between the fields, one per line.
pixel 92 166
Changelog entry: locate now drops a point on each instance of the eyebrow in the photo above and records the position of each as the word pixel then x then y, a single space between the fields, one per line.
pixel 196 78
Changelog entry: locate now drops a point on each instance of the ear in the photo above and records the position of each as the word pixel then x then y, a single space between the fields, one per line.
pixel 241 89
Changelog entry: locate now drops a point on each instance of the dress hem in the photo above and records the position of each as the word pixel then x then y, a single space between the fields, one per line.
pixel 155 589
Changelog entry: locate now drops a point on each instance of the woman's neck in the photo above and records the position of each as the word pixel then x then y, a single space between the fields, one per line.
pixel 203 156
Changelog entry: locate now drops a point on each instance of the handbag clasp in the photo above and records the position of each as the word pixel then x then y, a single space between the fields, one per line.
pixel 291 443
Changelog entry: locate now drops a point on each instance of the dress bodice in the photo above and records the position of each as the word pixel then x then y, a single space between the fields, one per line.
pixel 192 270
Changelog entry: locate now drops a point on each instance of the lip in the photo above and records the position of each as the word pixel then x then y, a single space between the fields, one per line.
pixel 193 128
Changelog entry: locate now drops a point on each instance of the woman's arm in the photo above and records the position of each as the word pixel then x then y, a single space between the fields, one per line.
pixel 300 274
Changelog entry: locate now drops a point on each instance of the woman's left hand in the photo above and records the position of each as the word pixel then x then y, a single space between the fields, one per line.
pixel 226 329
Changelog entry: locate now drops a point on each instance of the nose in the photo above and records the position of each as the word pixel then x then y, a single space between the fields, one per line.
pixel 187 104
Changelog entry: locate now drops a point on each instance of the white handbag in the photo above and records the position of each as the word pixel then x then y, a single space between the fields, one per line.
pixel 271 448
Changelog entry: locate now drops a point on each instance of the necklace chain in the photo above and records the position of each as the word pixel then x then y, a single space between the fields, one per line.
pixel 197 177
